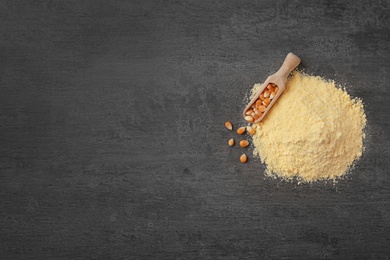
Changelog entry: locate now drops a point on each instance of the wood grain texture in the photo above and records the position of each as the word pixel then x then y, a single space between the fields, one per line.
pixel 112 136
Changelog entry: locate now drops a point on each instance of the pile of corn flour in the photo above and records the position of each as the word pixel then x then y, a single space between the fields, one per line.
pixel 314 131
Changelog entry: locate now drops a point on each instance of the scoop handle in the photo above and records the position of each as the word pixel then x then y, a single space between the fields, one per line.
pixel 290 62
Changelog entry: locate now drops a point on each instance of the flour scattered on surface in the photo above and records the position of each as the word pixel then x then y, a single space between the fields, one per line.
pixel 314 131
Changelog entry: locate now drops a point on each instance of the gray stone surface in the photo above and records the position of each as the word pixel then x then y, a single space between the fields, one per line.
pixel 112 143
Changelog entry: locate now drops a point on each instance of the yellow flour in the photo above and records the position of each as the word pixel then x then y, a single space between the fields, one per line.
pixel 313 132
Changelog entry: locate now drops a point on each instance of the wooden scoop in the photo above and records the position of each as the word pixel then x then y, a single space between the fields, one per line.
pixel 270 90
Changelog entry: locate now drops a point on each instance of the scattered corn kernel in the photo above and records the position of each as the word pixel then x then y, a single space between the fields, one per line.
pixel 250 130
pixel 229 125
pixel 244 143
pixel 241 130
pixel 243 158
pixel 231 142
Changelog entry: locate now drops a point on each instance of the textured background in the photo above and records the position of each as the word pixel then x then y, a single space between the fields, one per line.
pixel 112 143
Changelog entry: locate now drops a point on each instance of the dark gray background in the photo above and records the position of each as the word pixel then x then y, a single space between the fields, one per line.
pixel 112 138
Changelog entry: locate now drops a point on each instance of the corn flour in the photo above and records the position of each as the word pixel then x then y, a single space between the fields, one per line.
pixel 313 132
